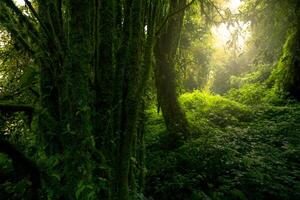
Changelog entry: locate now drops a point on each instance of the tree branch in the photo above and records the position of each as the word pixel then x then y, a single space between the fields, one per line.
pixel 22 166
pixel 217 9
pixel 5 19
pixel 171 15
pixel 23 20
pixel 20 15
pixel 10 107
pixel 35 14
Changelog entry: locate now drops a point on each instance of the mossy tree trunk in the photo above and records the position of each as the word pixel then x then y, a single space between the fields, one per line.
pixel 76 101
pixel 91 54
pixel 287 73
pixel 165 76
pixel 130 98
pixel 60 42
pixel 103 72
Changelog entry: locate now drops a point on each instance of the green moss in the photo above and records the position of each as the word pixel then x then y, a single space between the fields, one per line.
pixel 154 126
pixel 286 74
pixel 254 94
pixel 215 110
pixel 5 164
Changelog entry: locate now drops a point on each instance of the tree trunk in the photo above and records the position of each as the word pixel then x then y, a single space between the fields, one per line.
pixel 287 73
pixel 165 77
pixel 70 37
pixel 130 99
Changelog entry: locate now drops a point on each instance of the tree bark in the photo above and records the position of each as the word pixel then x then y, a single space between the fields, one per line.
pixel 165 77
pixel 287 73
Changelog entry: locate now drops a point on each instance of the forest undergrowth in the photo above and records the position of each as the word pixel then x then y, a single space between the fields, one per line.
pixel 237 151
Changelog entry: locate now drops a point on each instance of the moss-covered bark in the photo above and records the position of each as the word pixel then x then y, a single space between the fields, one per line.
pixel 165 77
pixel 75 102
pixel 289 67
pixel 287 72
pixel 91 54
pixel 129 99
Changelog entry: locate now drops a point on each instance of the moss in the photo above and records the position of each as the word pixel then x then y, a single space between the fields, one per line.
pixel 217 111
pixel 255 94
pixel 286 74
pixel 204 112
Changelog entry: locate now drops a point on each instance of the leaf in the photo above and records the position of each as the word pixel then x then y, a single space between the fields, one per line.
pixel 80 188
pixel 28 77
pixel 239 194
pixel 56 176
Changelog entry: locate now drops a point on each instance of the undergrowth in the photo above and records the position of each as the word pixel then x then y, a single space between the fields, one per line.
pixel 235 152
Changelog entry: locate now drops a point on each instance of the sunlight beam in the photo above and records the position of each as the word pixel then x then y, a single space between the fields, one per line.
pixel 237 31
pixel 234 5
pixel 19 2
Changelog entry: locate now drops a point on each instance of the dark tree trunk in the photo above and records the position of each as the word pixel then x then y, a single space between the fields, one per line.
pixel 165 77
pixel 130 99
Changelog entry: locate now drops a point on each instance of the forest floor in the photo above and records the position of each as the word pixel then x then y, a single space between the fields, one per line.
pixel 235 152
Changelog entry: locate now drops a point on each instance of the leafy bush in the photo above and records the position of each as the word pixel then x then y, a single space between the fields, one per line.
pixel 155 126
pixel 216 111
pixel 256 94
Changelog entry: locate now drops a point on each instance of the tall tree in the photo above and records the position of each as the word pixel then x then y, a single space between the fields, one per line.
pixel 165 74
pixel 91 54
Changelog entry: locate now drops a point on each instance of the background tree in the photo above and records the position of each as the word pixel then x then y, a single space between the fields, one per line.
pixel 195 50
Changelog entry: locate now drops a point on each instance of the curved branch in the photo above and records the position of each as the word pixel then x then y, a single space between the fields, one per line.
pixel 22 166
pixel 10 107
pixel 20 15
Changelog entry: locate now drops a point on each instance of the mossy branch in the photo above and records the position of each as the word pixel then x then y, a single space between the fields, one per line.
pixel 20 15
pixel 22 166
pixel 11 107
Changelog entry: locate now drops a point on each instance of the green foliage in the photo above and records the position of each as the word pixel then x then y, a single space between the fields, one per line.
pixel 86 65
pixel 195 49
pixel 154 126
pixel 256 94
pixel 223 73
pixel 214 111
pixel 259 73
pixel 240 152
pixel 269 24
pixel 12 187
